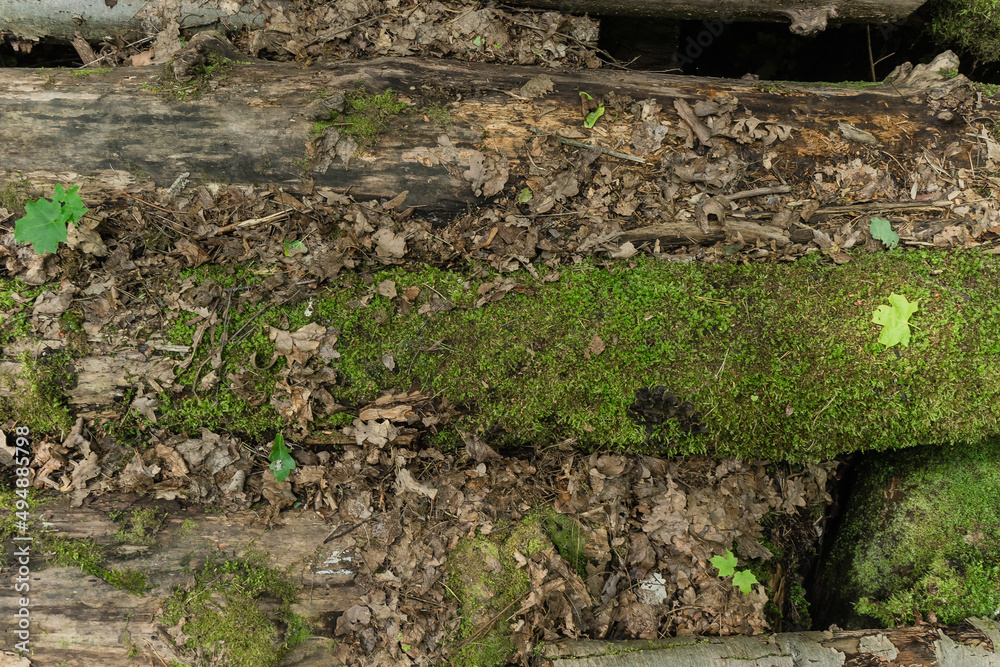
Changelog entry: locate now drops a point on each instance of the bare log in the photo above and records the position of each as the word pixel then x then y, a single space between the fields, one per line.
pixel 972 644
pixel 256 125
pixel 79 619
pixel 800 12
pixel 128 19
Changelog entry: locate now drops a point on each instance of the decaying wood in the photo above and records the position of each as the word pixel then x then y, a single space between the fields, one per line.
pixel 973 644
pixel 127 19
pixel 872 11
pixel 108 131
pixel 79 620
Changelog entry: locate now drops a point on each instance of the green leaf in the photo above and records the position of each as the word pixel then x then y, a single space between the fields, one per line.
pixel 743 580
pixel 894 320
pixel 881 229
pixel 293 248
pixel 479 40
pixel 72 206
pixel 281 459
pixel 725 564
pixel 524 196
pixel 586 94
pixel 41 226
pixel 592 117
pixel 44 221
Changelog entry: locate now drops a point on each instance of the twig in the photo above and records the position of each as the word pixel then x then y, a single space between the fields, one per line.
pixel 757 192
pixel 166 210
pixel 828 403
pixel 608 151
pixel 253 222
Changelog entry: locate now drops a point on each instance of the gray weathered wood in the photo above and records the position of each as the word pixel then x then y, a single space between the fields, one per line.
pixel 922 646
pixel 107 131
pixel 78 619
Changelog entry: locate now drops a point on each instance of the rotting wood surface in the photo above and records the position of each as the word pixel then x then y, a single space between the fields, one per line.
pixel 108 131
pixel 973 644
pixel 79 620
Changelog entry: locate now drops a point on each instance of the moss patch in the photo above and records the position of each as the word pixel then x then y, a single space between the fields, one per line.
pixel 38 396
pixel 973 26
pixel 364 118
pixel 483 575
pixel 223 620
pixel 89 557
pixel 775 361
pixel 922 535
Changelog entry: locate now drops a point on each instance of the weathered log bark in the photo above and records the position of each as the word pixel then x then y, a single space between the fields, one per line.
pixel 108 130
pixel 128 19
pixel 874 11
pixel 968 645
pixel 79 620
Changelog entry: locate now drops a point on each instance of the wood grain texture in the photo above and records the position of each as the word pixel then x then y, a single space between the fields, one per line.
pixel 106 131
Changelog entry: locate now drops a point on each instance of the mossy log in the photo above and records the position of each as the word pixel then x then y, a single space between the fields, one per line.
pixel 972 645
pixel 756 361
pixel 464 135
pixel 79 619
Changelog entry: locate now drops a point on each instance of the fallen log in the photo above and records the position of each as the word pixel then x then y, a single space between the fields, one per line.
pixel 80 618
pixel 451 134
pixel 972 644
pixel 806 15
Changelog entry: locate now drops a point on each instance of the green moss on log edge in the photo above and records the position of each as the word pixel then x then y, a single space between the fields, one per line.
pixel 780 361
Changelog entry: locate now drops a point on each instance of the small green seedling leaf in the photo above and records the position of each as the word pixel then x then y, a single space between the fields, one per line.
pixel 524 196
pixel 44 221
pixel 894 320
pixel 584 93
pixel 743 580
pixel 881 229
pixel 725 564
pixel 293 248
pixel 479 40
pixel 592 117
pixel 282 462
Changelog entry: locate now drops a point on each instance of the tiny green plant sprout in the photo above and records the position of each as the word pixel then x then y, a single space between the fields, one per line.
pixel 45 222
pixel 281 459
pixel 726 565
pixel 594 115
pixel 881 230
pixel 895 320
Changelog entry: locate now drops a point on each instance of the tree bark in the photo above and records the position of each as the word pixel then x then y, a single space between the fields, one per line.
pixel 127 19
pixel 107 130
pixel 872 11
pixel 971 645
pixel 79 620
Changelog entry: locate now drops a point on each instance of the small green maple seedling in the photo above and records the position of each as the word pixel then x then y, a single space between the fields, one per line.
pixel 895 320
pixel 44 222
pixel 881 229
pixel 281 459
pixel 726 565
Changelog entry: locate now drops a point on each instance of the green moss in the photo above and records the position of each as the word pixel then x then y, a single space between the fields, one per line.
pixel 89 557
pixel 87 72
pixel 567 536
pixel 38 395
pixel 222 618
pixel 438 114
pixel 216 68
pixel 483 575
pixel 970 26
pixel 139 527
pixel 922 535
pixel 365 118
